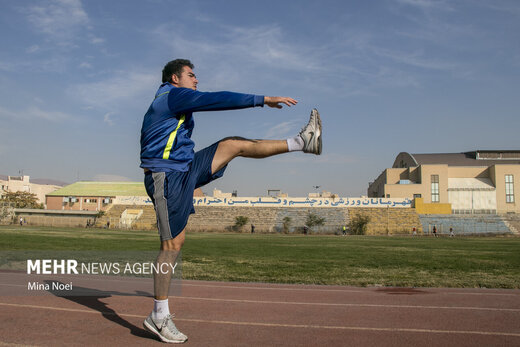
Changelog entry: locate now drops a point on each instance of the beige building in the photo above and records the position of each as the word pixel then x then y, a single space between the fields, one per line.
pixel 23 184
pixel 472 182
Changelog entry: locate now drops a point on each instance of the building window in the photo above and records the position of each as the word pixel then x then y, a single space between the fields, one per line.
pixel 435 188
pixel 510 193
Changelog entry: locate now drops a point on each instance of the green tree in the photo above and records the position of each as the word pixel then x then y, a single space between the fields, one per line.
pixel 358 224
pixel 5 210
pixel 21 200
pixel 240 221
pixel 314 220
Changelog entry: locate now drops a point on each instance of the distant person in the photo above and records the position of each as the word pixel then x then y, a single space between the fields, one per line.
pixel 344 230
pixel 173 170
pixel 305 230
pixel 414 231
pixel 252 228
pixel 451 232
pixel 434 231
pixel 21 221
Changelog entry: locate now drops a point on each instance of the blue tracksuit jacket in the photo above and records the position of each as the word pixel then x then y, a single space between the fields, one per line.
pixel 166 143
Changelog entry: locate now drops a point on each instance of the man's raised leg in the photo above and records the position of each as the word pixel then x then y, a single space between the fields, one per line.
pixel 233 147
pixel 308 141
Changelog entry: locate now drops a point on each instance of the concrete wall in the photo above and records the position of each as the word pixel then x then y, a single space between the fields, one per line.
pixel 266 219
pixel 465 225
pixel 389 221
pixel 430 208
pixel 53 218
pixel 383 221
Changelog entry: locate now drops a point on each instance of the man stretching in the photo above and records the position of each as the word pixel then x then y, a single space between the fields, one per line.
pixel 173 170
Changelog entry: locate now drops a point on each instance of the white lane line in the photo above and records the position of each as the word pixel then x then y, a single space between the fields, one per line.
pixel 303 326
pixel 11 344
pixel 420 290
pixel 348 305
pixel 184 284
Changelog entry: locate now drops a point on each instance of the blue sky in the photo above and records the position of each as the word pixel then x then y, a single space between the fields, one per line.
pixel 388 76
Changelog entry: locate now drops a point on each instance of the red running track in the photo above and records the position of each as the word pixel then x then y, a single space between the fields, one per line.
pixel 250 314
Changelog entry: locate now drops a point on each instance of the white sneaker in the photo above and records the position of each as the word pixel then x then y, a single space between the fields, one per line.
pixel 311 134
pixel 167 331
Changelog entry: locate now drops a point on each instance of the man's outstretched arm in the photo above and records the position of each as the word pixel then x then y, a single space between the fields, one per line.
pixel 186 100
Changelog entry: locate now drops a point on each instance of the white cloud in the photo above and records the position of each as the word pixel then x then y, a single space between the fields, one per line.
pixel 7 66
pixel 267 45
pixel 282 130
pixel 355 64
pixel 427 4
pixel 416 59
pixel 325 158
pixel 85 65
pixel 32 113
pixel 33 49
pixel 59 20
pixel 511 8
pixel 107 118
pixel 117 90
pixel 5 113
pixel 97 40
pixel 259 46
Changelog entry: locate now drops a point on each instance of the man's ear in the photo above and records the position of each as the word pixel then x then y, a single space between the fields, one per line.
pixel 175 79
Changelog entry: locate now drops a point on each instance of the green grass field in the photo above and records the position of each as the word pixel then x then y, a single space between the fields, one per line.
pixel 492 262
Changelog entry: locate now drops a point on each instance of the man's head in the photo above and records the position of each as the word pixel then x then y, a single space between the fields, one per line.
pixel 179 73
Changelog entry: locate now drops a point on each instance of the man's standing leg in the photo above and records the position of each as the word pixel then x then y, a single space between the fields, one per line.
pixel 160 322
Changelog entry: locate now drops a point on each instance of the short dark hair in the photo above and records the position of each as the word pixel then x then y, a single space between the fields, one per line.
pixel 175 67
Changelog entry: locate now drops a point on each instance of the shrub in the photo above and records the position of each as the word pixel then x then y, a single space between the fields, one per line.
pixel 286 224
pixel 358 224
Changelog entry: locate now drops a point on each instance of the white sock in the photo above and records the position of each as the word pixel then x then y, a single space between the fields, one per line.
pixel 295 143
pixel 160 310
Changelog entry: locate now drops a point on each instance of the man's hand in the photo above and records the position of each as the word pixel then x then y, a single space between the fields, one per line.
pixel 277 101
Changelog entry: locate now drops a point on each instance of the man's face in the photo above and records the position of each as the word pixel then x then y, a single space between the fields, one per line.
pixel 187 79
